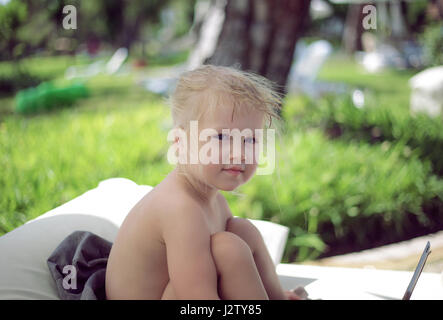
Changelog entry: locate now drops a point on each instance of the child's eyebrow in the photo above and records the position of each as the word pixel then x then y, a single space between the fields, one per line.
pixel 220 129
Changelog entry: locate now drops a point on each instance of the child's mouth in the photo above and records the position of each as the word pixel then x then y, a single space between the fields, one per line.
pixel 235 171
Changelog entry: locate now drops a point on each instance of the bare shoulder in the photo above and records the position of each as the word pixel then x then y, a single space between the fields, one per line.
pixel 164 199
pixel 172 207
pixel 183 212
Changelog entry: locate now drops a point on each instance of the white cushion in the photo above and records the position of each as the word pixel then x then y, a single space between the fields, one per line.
pixel 24 273
pixel 275 237
pixel 111 200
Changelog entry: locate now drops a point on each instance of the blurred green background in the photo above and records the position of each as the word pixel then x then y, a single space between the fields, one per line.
pixel 348 177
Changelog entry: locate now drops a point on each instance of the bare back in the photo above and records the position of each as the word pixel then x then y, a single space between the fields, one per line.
pixel 138 264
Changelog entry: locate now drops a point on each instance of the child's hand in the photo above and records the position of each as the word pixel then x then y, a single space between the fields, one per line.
pixel 291 295
pixel 298 293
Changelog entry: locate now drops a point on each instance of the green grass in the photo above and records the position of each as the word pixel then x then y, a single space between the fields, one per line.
pixel 46 67
pixel 389 86
pixel 385 117
pixel 341 68
pixel 50 158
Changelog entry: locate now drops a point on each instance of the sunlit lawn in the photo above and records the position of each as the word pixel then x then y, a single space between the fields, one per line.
pixel 390 86
pixel 50 158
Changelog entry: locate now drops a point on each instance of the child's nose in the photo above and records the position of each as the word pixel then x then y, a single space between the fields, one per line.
pixel 237 155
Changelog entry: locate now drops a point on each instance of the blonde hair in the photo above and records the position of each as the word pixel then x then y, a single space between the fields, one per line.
pixel 210 87
pixel 207 87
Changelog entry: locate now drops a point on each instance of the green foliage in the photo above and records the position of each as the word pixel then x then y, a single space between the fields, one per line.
pixel 12 15
pixel 123 21
pixel 432 41
pixel 16 81
pixel 376 122
pixel 416 15
pixel 46 97
pixel 391 194
pixel 336 193
pixel 115 23
pixel 168 59
pixel 31 72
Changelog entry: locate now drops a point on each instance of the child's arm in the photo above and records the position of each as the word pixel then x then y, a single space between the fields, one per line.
pixel 268 274
pixel 191 267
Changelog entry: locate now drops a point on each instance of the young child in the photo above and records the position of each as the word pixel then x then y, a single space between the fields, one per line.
pixel 180 241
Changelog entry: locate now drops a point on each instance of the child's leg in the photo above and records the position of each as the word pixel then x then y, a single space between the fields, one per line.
pixel 265 266
pixel 238 277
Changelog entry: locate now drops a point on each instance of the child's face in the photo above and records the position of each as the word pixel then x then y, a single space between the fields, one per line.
pixel 234 136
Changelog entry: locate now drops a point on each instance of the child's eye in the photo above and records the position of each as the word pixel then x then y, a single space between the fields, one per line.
pixel 250 140
pixel 222 136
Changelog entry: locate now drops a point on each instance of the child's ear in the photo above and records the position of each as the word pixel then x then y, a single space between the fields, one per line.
pixel 177 135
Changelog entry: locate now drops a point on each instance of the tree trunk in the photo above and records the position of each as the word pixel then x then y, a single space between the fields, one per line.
pixel 353 29
pixel 131 32
pixel 260 36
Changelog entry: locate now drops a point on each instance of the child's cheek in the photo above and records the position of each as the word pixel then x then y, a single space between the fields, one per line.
pixel 250 156
pixel 209 152
pixel 249 172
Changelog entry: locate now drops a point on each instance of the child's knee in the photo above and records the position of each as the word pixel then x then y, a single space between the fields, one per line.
pixel 245 229
pixel 238 224
pixel 228 248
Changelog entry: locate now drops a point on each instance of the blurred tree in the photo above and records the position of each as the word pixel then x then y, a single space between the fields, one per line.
pixel 353 28
pixel 432 42
pixel 117 22
pixel 19 21
pixel 260 36
pixel 125 19
pixel 415 13
pixel 12 16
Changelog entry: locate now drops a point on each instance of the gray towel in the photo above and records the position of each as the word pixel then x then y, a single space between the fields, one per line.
pixel 78 266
